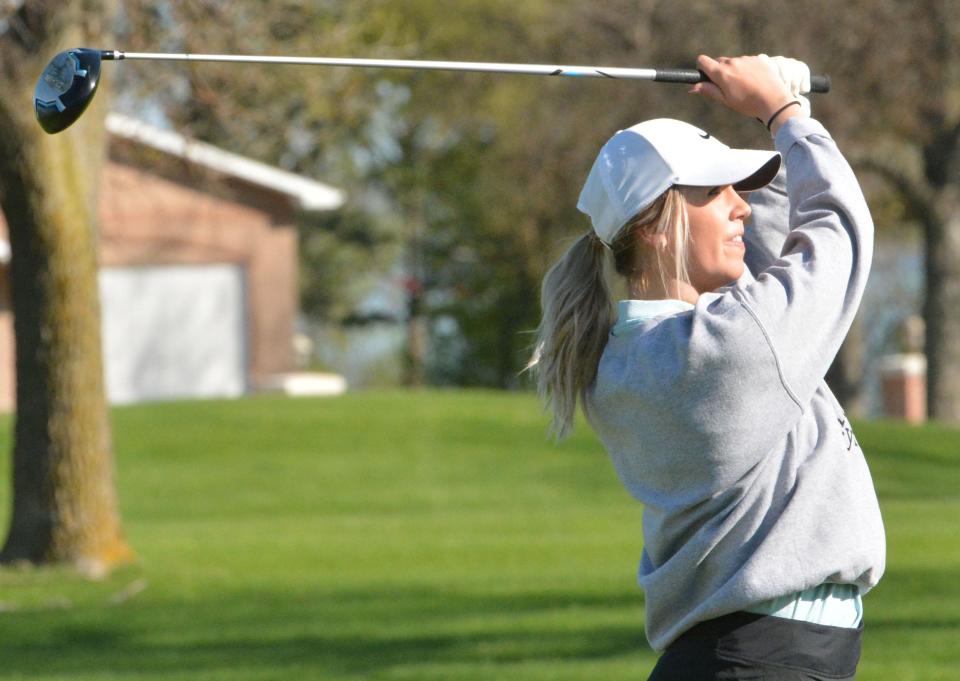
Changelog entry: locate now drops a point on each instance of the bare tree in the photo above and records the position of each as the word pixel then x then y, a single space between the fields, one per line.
pixel 919 157
pixel 64 500
pixel 894 110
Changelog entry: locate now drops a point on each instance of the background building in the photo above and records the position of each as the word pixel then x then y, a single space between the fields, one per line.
pixel 198 278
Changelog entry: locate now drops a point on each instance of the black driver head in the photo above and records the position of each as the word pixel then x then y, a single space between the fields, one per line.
pixel 66 87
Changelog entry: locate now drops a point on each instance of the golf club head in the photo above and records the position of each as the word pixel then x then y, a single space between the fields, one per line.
pixel 66 87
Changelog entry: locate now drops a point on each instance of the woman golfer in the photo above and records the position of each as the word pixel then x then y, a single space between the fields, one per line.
pixel 761 525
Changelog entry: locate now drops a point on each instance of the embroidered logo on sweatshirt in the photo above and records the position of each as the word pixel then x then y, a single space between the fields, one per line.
pixel 848 435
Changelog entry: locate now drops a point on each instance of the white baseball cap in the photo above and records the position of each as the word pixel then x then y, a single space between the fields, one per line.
pixel 638 164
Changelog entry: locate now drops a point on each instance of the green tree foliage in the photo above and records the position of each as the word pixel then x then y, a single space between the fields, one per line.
pixel 474 178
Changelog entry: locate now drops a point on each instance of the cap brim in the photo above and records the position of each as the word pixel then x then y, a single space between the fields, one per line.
pixel 745 169
pixel 762 177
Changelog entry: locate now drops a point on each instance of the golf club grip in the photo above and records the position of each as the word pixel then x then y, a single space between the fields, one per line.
pixel 818 84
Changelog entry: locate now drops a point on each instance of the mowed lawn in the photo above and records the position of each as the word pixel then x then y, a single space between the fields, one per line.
pixel 416 535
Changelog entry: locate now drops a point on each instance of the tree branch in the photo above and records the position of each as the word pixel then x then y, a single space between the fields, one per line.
pixel 917 194
pixel 911 190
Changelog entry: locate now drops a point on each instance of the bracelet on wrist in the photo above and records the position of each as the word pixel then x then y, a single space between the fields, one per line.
pixel 780 111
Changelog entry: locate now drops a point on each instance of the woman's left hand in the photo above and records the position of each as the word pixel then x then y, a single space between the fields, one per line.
pixel 796 75
pixel 749 85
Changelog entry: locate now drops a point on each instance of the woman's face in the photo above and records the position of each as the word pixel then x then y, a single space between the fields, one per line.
pixel 716 249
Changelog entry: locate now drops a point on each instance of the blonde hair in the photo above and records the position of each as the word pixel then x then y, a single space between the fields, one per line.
pixel 578 309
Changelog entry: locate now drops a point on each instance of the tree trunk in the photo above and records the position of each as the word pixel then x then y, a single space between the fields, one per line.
pixel 416 347
pixel 517 306
pixel 942 306
pixel 64 500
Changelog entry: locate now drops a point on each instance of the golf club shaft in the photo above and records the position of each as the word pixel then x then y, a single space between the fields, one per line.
pixel 817 83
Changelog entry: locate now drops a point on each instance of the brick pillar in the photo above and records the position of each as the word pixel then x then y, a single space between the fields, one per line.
pixel 904 381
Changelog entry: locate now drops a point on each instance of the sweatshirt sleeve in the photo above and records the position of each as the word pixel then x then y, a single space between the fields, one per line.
pixel 805 301
pixel 768 225
pixel 735 375
pixel 756 352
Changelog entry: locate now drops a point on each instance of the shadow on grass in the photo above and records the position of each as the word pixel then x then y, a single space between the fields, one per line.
pixel 344 633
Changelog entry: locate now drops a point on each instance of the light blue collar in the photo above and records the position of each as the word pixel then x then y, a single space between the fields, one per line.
pixel 633 313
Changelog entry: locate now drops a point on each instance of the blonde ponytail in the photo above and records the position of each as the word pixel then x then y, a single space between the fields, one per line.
pixel 577 315
pixel 578 310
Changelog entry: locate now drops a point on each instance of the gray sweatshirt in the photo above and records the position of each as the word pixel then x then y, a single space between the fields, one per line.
pixel 719 421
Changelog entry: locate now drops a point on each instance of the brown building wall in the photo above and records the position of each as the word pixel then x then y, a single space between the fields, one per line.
pixel 273 303
pixel 151 220
pixel 146 219
pixel 7 370
pixel 7 382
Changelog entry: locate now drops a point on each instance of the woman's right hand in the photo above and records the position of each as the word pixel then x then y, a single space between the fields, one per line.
pixel 748 85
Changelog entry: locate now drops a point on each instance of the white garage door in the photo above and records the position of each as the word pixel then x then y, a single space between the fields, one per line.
pixel 173 332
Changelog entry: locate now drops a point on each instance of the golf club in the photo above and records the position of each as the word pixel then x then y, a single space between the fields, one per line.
pixel 69 82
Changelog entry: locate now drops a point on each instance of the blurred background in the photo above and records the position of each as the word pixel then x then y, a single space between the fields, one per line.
pixel 450 194
pixel 211 231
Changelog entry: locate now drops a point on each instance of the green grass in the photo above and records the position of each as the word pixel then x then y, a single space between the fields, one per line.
pixel 432 535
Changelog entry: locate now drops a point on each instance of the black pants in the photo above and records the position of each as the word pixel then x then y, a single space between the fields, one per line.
pixel 745 646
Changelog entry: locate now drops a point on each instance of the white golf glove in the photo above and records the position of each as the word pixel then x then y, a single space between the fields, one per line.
pixel 795 74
